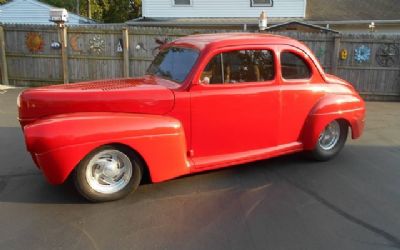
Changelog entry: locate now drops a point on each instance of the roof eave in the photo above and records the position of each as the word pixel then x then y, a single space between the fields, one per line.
pixel 306 24
pixel 140 22
pixel 349 22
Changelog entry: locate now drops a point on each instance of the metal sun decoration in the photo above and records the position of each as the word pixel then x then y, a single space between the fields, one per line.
pixel 387 55
pixel 97 45
pixel 34 42
pixel 362 54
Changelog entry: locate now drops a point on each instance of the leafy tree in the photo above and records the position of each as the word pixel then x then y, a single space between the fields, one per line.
pixel 67 4
pixel 116 11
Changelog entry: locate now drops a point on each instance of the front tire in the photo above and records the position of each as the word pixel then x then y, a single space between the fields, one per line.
pixel 330 141
pixel 108 173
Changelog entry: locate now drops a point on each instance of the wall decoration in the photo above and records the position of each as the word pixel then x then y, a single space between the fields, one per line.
pixel 120 46
pixel 55 45
pixel 34 42
pixel 362 54
pixel 73 41
pixel 343 54
pixel 387 55
pixel 160 42
pixel 97 45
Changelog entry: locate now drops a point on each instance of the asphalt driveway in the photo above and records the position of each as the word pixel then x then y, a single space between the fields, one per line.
pixel 351 202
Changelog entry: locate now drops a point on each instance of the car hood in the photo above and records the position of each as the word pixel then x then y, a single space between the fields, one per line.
pixel 145 95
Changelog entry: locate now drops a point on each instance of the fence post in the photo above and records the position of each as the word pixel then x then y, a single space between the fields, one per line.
pixel 335 55
pixel 125 38
pixel 3 62
pixel 64 53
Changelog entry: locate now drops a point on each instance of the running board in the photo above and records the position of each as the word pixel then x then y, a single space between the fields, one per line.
pixel 226 160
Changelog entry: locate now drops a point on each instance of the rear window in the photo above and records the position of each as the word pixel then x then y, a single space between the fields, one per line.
pixel 294 66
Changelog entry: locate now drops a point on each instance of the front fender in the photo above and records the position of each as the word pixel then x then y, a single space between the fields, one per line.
pixel 350 108
pixel 59 143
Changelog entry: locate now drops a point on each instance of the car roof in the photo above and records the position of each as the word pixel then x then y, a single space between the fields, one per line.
pixel 209 42
pixel 217 40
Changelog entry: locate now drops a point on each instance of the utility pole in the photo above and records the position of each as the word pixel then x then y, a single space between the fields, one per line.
pixel 78 12
pixel 89 10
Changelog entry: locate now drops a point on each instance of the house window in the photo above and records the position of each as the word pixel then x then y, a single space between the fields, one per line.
pixel 261 3
pixel 182 2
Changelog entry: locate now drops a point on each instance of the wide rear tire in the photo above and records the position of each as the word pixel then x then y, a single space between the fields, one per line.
pixel 330 141
pixel 108 173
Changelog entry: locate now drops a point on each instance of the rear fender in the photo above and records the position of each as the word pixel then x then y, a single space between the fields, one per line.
pixel 59 143
pixel 349 108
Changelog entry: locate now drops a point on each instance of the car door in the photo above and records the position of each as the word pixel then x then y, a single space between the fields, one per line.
pixel 300 91
pixel 235 107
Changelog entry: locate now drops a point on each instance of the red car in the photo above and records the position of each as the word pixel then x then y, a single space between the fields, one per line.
pixel 206 102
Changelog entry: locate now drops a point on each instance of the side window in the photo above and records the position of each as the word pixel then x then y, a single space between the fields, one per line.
pixel 240 66
pixel 294 66
pixel 213 72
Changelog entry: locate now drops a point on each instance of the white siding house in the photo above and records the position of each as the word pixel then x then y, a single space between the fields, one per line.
pixel 32 12
pixel 222 8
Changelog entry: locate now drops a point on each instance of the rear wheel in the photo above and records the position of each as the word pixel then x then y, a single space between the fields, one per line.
pixel 108 173
pixel 330 141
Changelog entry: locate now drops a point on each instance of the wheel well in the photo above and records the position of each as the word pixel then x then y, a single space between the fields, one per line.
pixel 134 155
pixel 345 122
pixel 309 134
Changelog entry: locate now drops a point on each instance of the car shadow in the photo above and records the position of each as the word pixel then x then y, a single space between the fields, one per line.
pixel 21 182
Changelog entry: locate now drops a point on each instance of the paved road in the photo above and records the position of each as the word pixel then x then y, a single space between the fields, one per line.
pixel 351 202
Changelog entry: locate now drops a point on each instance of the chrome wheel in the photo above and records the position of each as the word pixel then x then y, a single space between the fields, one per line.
pixel 330 136
pixel 109 171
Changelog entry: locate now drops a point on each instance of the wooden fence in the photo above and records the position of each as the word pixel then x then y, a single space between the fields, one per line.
pixel 29 55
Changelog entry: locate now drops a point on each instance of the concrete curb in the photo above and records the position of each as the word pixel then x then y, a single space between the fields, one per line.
pixel 5 87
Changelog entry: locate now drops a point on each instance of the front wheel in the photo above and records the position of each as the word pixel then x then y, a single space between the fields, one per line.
pixel 330 141
pixel 108 173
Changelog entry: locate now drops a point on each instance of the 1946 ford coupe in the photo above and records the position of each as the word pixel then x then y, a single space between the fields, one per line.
pixel 206 102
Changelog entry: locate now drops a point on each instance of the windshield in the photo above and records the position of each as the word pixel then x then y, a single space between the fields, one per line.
pixel 173 63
